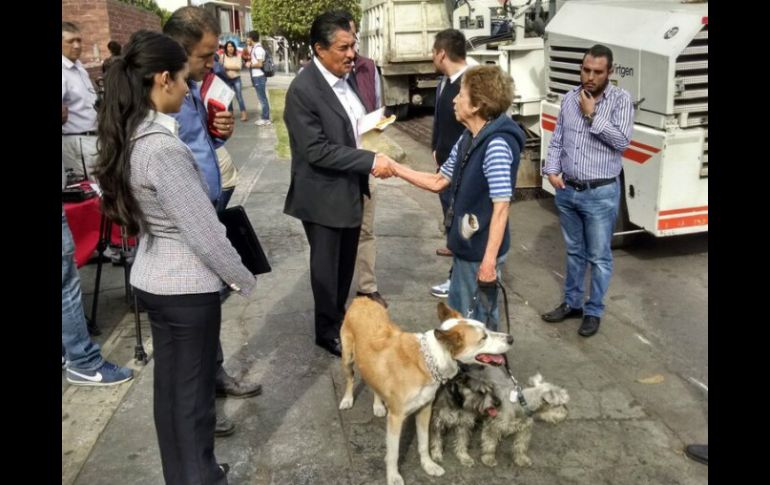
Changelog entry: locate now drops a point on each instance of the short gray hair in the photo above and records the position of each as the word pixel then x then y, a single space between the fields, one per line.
pixel 69 27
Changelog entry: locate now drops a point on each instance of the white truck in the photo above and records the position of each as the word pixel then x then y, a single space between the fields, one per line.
pixel 661 58
pixel 398 35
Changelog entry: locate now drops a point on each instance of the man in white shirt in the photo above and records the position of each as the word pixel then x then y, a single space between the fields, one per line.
pixel 329 169
pixel 78 141
pixel 258 78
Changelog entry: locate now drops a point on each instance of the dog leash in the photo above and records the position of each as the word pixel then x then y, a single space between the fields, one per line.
pixel 518 393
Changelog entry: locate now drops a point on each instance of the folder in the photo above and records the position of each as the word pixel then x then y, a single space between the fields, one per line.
pixel 243 238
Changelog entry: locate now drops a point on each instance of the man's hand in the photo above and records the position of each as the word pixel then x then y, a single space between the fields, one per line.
pixel 383 166
pixel 64 113
pixel 224 122
pixel 587 103
pixel 487 271
pixel 556 181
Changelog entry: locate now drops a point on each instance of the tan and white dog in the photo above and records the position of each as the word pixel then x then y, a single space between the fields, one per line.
pixel 404 370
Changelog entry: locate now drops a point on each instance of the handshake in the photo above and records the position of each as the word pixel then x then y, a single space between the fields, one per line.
pixel 384 166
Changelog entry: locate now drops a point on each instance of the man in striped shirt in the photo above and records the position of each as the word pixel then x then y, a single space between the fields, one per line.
pixel 583 163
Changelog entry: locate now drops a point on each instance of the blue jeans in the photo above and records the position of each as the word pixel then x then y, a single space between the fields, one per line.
pixel 260 84
pixel 237 86
pixel 462 289
pixel 587 220
pixel 81 351
pixel 223 201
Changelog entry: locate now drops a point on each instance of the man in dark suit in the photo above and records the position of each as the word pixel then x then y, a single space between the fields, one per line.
pixel 449 59
pixel 329 170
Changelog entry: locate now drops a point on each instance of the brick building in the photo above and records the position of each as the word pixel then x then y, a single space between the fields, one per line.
pixel 101 21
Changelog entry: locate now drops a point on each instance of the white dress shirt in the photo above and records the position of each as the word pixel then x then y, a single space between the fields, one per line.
pixel 163 120
pixel 79 95
pixel 469 63
pixel 347 97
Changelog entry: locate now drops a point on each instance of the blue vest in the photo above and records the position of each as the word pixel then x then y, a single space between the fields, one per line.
pixel 472 194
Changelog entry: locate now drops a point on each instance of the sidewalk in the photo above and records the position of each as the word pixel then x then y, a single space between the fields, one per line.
pixel 618 431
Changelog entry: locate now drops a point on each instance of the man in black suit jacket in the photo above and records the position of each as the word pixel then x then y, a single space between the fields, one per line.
pixel 329 171
pixel 449 58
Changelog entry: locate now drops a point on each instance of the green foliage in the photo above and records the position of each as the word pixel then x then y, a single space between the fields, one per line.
pixel 150 6
pixel 292 18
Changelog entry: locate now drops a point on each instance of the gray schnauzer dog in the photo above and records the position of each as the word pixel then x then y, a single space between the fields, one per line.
pixel 459 405
pixel 483 394
pixel 545 402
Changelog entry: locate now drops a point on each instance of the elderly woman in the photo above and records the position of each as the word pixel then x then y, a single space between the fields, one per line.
pixel 480 175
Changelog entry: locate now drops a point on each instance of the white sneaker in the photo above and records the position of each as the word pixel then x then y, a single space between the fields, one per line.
pixel 442 290
pixel 259 122
pixel 267 122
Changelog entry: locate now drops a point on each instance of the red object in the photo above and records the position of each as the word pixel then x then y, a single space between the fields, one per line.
pixel 705 20
pixel 213 106
pixel 83 219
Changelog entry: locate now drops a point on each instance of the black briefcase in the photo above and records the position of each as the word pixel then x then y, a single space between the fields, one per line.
pixel 243 238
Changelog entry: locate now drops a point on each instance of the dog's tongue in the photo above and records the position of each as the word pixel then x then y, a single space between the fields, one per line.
pixel 490 359
pixel 492 411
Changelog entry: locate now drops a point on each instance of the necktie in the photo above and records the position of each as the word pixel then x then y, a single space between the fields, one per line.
pixel 443 85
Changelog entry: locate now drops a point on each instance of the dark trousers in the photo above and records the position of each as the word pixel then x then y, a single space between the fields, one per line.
pixel 332 261
pixel 185 334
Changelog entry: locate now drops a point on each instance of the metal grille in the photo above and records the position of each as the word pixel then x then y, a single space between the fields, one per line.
pixel 691 98
pixel 564 68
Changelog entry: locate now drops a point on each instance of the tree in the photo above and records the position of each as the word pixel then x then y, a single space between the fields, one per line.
pixel 292 19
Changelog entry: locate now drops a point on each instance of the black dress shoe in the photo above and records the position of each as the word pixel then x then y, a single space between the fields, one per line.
pixel 562 312
pixel 589 326
pixel 227 386
pixel 224 467
pixel 699 453
pixel 224 426
pixel 332 346
pixel 374 296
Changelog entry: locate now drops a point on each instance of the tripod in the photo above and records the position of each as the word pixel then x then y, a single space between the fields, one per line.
pixel 105 237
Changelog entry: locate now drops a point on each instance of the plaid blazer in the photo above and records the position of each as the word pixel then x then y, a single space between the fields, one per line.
pixel 182 247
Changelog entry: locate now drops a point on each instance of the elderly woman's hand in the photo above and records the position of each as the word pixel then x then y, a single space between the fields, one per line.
pixel 487 272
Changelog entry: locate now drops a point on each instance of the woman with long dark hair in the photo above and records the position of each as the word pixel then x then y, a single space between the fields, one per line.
pixel 153 188
pixel 233 63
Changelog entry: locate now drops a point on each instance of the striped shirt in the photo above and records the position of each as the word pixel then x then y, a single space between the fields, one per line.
pixel 497 168
pixel 586 152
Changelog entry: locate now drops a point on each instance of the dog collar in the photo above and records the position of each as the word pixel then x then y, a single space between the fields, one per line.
pixel 518 395
pixel 430 362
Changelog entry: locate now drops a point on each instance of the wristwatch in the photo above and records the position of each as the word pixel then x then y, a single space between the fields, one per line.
pixel 590 118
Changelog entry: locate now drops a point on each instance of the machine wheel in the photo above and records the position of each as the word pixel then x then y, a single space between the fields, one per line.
pixel 401 111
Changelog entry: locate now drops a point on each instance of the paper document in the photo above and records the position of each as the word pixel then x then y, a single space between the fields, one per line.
pixel 219 91
pixel 373 120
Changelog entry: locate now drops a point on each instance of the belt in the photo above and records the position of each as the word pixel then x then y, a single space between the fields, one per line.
pixel 85 133
pixel 588 184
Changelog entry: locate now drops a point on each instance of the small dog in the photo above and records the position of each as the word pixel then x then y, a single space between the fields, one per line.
pixel 459 405
pixel 405 369
pixel 483 394
pixel 547 402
